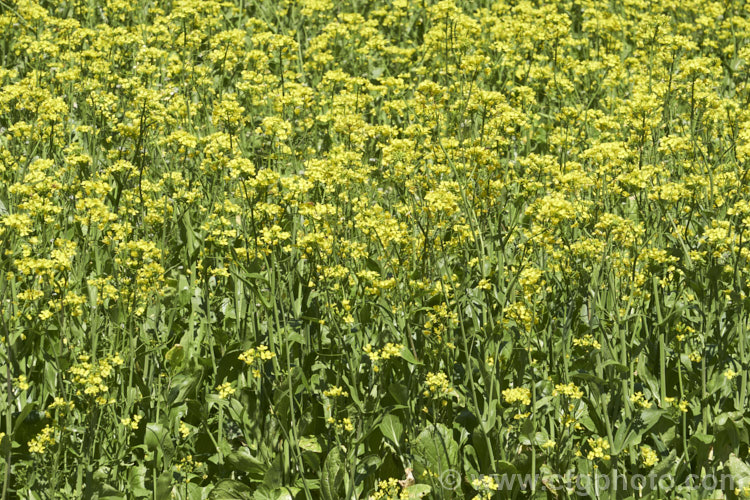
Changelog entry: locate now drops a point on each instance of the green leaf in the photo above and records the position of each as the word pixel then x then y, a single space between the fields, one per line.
pixel 332 476
pixel 472 465
pixel 157 439
pixel 740 471
pixel 182 387
pixel 286 493
pixel 174 356
pixel 242 460
pixel 163 487
pixel 617 366
pixel 229 489
pixel 407 355
pixel 504 467
pixel 137 481
pixel 399 392
pixel 624 438
pixel 650 416
pixel 274 477
pixel 310 443
pixel 21 418
pixel 436 451
pixel 392 429
pixel 416 491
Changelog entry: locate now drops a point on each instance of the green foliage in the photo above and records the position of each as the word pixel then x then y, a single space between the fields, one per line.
pixel 345 249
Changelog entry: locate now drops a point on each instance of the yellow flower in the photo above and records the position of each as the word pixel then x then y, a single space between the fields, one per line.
pixel 517 395
pixel 597 449
pixel 225 390
pixel 348 426
pixel 437 385
pixel 261 352
pixel 42 440
pixel 62 404
pixel 639 399
pixel 184 430
pixel 131 422
pixel 649 456
pixel 21 383
pixel 335 391
pixel 388 351
pixel 570 390
pixel 587 341
pixel 21 223
pixel 485 484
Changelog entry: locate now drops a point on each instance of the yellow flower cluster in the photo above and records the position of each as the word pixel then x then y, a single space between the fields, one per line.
pixel 335 392
pixel 388 351
pixel 486 486
pixel 521 395
pixel 639 399
pixel 389 489
pixel 41 441
pixel 91 379
pixel 649 456
pixel 344 423
pixel 570 390
pixel 188 465
pixel 261 353
pixel 587 341
pixel 225 390
pixel 598 449
pixel 550 443
pixel 131 422
pixel 21 382
pixel 61 404
pixel 438 385
pixel 184 430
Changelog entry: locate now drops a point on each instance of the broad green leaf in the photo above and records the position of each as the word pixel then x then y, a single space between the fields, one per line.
pixel 284 493
pixel 163 487
pixel 416 491
pixel 740 471
pixel 229 489
pixel 436 451
pixel 174 356
pixel 472 466
pixel 332 475
pixel 310 443
pixel 242 460
pixel 399 392
pixel 137 481
pixel 274 477
pixel 504 467
pixel 407 355
pixel 392 429
pixel 157 438
pixel 182 387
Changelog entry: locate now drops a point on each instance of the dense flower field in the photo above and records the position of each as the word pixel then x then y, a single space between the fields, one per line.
pixel 374 249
